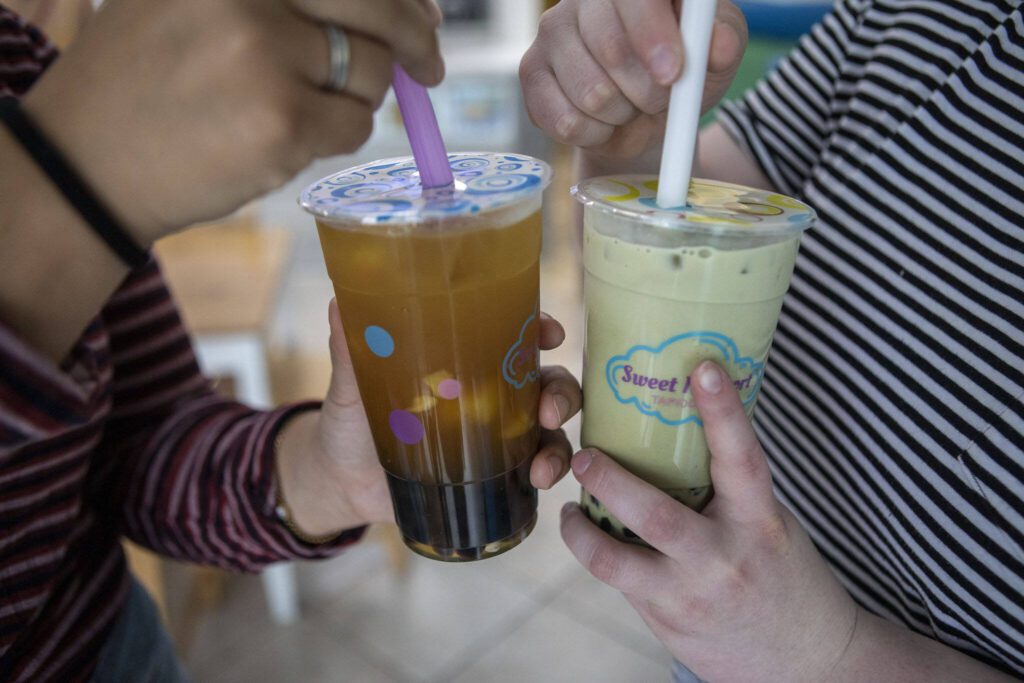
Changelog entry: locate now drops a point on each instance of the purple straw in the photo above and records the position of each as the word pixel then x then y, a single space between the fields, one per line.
pixel 421 127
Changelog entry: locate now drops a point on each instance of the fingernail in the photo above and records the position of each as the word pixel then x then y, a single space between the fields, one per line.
pixel 562 408
pixel 581 461
pixel 662 62
pixel 555 463
pixel 710 378
pixel 565 126
pixel 595 100
pixel 567 507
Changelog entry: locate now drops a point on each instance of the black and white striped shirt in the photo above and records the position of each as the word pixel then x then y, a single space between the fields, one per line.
pixel 893 408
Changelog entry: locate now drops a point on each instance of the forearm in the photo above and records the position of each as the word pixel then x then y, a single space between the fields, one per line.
pixel 55 274
pixel 718 157
pixel 884 652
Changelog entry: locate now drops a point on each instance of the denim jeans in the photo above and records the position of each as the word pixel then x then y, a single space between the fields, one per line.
pixel 138 649
pixel 680 674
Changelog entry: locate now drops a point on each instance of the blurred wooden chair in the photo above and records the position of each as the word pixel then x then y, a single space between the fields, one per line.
pixel 225 278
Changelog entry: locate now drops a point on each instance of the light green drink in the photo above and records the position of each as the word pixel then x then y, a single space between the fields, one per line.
pixel 666 289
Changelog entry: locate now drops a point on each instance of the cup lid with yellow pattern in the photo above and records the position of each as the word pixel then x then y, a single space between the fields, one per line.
pixel 712 206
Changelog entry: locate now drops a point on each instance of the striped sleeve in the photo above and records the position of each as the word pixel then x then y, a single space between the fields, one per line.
pixel 785 120
pixel 25 54
pixel 196 471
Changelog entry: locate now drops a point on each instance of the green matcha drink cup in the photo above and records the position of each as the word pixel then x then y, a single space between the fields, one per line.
pixel 666 289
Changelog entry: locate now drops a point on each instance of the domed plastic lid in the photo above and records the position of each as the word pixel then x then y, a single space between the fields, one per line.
pixel 389 191
pixel 712 206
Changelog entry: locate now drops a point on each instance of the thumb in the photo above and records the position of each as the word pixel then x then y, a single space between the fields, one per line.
pixel 343 390
pixel 739 469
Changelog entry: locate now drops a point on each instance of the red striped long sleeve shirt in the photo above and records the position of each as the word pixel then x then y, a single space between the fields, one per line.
pixel 125 438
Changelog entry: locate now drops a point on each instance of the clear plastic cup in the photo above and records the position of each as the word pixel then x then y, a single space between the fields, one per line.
pixel 664 290
pixel 438 293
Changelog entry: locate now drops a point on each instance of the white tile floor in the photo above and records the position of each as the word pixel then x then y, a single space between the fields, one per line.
pixel 532 614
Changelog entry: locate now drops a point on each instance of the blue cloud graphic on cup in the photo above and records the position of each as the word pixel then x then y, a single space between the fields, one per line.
pixel 520 365
pixel 628 374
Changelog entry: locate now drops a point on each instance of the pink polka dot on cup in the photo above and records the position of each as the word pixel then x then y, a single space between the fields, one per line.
pixel 449 389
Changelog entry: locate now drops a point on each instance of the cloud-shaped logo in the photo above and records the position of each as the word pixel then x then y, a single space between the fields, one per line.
pixel 520 365
pixel 649 377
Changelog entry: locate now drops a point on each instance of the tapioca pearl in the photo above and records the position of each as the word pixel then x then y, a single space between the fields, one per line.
pixel 628 532
pixel 379 340
pixel 606 525
pixel 406 427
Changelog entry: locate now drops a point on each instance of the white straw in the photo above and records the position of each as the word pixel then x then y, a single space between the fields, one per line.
pixel 697 19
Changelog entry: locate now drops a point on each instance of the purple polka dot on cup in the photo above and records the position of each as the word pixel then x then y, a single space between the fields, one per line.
pixel 379 340
pixel 449 389
pixel 406 427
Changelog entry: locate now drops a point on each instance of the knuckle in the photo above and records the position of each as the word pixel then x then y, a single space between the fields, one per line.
pixel 276 124
pixel 604 565
pixel 598 97
pixel 695 609
pixel 613 51
pixel 239 45
pixel 528 67
pixel 569 127
pixel 773 534
pixel 596 476
pixel 548 24
pixel 532 75
pixel 733 584
pixel 660 524
pixel 654 100
pixel 248 37
pixel 750 462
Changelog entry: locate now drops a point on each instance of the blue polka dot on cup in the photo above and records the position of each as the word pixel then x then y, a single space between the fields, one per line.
pixel 379 340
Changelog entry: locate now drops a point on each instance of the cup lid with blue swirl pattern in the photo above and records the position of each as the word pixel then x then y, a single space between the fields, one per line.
pixel 712 206
pixel 388 192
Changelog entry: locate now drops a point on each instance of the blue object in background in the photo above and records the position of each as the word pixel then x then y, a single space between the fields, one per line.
pixel 782 20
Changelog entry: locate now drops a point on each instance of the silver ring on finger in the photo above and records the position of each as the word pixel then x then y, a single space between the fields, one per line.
pixel 337 78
